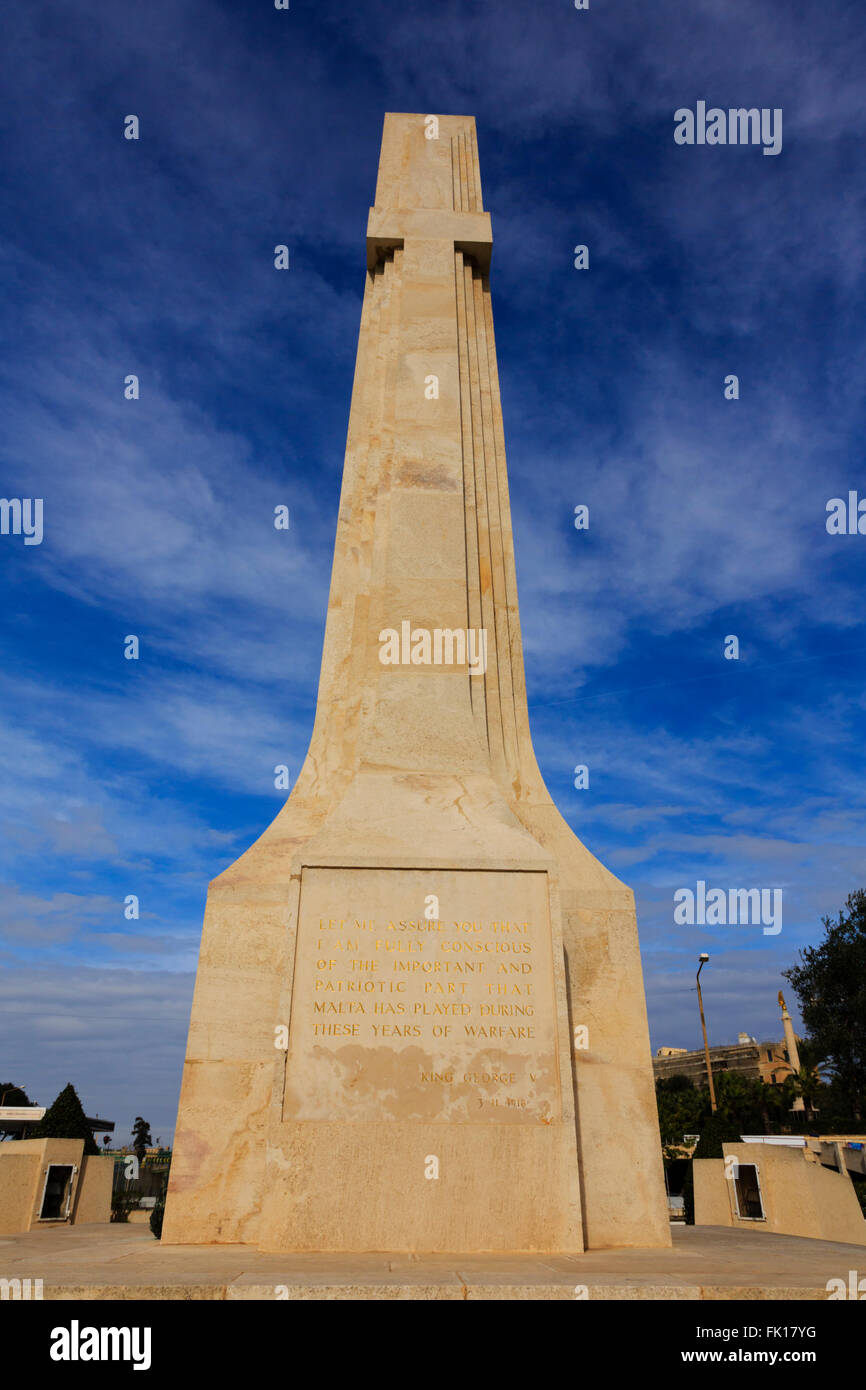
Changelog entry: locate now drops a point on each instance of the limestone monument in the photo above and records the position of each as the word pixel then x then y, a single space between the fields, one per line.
pixel 419 1021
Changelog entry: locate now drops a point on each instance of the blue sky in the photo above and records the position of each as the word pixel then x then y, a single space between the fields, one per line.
pixel 707 516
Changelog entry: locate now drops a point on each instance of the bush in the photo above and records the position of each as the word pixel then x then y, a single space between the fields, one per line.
pixel 122 1203
pixel 156 1218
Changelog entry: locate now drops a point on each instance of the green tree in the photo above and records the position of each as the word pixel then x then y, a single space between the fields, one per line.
pixel 752 1106
pixel 807 1082
pixel 141 1140
pixel 830 984
pixel 10 1094
pixel 715 1130
pixel 65 1119
pixel 679 1106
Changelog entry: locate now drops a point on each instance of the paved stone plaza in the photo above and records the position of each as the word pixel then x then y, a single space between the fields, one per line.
pixel 710 1262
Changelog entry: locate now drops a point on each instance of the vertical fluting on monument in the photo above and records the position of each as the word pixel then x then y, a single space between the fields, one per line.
pixel 613 1086
pixel 424 809
pixel 487 520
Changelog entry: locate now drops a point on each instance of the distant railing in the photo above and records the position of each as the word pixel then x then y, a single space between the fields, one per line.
pixel 142 1191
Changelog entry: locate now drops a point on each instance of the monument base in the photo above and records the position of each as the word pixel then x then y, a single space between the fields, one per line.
pixel 707 1263
pixel 421 1103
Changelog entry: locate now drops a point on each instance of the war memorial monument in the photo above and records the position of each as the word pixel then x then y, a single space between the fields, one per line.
pixel 419 1020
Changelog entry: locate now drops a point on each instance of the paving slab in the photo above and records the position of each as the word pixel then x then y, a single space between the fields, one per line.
pixel 708 1263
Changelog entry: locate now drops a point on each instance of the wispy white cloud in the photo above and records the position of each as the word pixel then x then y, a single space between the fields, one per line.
pixel 155 258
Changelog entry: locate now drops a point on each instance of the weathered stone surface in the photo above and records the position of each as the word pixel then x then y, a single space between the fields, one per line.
pixel 402 1128
pixel 107 1262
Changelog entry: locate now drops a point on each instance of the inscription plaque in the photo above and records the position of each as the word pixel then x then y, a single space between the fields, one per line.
pixel 400 1016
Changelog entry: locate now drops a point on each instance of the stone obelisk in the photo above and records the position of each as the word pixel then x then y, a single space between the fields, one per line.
pixel 419 1021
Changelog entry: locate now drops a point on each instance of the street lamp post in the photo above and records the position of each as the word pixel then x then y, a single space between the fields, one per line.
pixel 703 959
